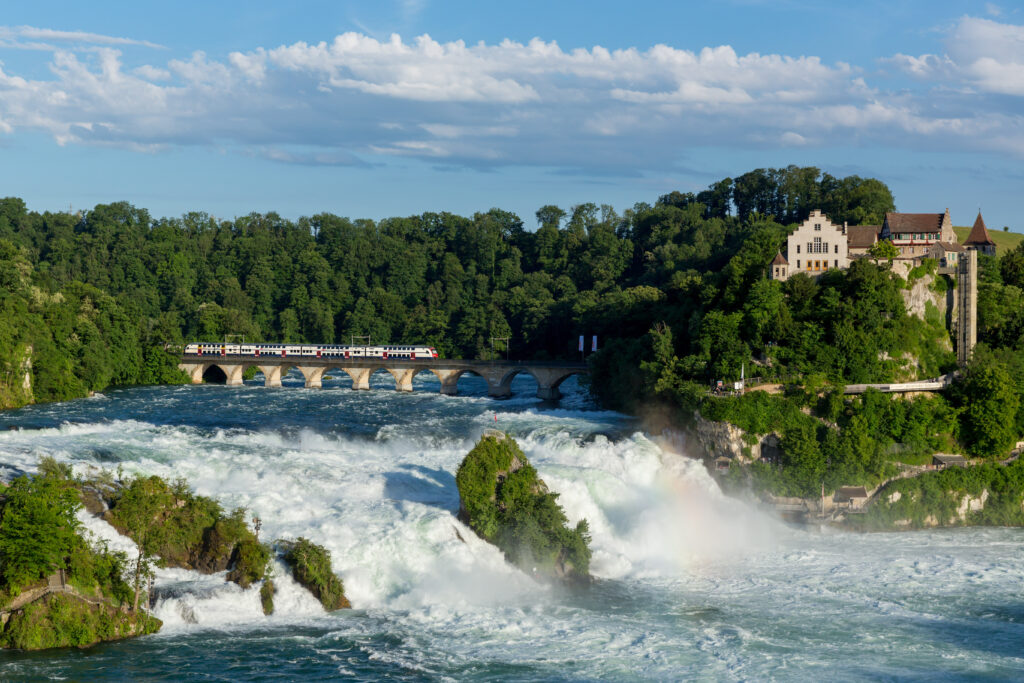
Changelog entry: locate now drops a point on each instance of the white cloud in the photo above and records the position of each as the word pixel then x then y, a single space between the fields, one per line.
pixel 981 54
pixel 18 35
pixel 534 103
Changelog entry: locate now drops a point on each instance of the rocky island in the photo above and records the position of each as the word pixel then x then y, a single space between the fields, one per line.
pixel 59 588
pixel 56 589
pixel 504 501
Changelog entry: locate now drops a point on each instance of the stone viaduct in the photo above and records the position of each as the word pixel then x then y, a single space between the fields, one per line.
pixel 498 374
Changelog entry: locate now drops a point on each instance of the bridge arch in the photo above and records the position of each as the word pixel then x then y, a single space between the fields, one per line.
pixel 503 387
pixel 449 378
pixel 216 372
pixel 548 381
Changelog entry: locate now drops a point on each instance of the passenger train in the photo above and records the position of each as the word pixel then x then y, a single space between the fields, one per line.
pixel 311 351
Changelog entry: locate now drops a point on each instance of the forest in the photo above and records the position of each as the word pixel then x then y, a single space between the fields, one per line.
pixel 675 290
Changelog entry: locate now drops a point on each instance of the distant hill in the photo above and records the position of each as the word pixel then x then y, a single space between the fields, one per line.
pixel 1005 241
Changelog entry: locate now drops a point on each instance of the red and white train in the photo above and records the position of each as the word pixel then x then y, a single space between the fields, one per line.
pixel 311 351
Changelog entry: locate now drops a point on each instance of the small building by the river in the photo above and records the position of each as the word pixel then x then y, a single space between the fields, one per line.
pixel 943 460
pixel 852 497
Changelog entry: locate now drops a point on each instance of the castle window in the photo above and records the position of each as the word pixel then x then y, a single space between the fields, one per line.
pixel 837 263
pixel 798 248
pixel 798 260
pixel 837 248
pixel 817 226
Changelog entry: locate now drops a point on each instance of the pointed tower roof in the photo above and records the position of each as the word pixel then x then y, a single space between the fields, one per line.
pixel 780 260
pixel 979 233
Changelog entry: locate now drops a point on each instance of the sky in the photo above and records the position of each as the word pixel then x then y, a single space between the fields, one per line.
pixel 398 107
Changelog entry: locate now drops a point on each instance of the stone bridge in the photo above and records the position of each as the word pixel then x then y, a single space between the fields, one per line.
pixel 498 374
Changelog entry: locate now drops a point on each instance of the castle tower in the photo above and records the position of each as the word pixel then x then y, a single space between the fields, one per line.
pixel 979 239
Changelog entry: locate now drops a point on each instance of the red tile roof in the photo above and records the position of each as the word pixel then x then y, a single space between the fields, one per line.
pixel 979 233
pixel 780 260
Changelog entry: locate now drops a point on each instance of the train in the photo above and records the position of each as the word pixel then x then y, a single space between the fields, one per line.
pixel 338 351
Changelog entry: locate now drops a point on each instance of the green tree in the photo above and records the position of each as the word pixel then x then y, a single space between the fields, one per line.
pixel 989 403
pixel 37 528
pixel 884 250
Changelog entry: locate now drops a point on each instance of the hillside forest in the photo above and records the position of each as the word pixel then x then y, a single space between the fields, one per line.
pixel 675 290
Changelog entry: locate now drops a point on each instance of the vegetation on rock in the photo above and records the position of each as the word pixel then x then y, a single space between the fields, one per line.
pixel 943 498
pixel 58 589
pixel 178 528
pixel 311 567
pixel 504 501
pixel 181 529
pixel 58 620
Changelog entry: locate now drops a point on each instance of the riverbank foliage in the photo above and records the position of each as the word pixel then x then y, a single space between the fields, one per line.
pixel 40 537
pixel 63 621
pixel 507 504
pixel 940 499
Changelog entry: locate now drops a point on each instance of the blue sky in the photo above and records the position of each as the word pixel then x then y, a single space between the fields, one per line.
pixel 399 107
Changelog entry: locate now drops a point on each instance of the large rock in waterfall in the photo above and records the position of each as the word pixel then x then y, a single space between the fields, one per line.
pixel 504 501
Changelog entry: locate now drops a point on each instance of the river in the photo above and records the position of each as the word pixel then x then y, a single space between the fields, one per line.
pixel 692 584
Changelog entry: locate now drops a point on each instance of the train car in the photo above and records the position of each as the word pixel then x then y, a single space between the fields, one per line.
pixel 320 351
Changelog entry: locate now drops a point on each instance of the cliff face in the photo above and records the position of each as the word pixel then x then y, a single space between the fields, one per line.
pixel 718 439
pixel 16 390
pixel 922 299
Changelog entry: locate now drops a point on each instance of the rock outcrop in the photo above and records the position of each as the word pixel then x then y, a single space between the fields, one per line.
pixel 56 588
pixel 718 439
pixel 66 618
pixel 311 566
pixel 504 501
pixel 181 529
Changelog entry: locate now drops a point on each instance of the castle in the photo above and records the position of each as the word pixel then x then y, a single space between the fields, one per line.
pixel 819 245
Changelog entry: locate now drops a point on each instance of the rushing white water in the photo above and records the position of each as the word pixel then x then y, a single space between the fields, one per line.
pixel 692 583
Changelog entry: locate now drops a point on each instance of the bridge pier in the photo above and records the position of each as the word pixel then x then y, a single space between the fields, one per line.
pixel 403 378
pixel 234 373
pixel 313 374
pixel 449 381
pixel 360 377
pixel 271 375
pixel 548 393
pixel 548 381
pixel 193 370
pixel 498 390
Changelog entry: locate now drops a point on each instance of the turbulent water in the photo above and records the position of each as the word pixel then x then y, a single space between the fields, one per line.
pixel 693 584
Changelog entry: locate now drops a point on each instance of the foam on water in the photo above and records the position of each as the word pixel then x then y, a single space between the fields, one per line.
pixel 693 582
